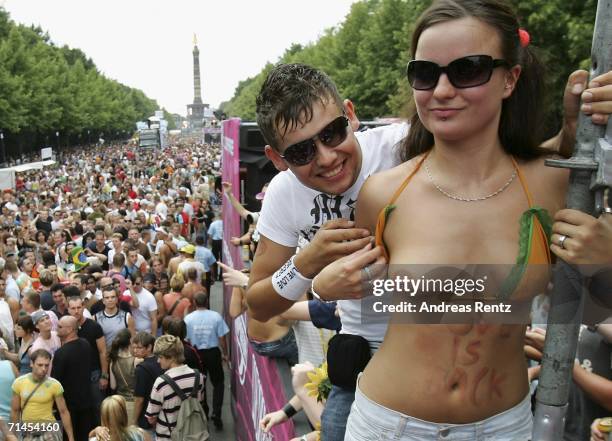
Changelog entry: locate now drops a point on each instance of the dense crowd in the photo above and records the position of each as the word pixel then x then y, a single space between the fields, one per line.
pixel 107 260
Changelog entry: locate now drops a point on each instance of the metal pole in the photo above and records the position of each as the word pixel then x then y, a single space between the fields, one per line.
pixel 591 174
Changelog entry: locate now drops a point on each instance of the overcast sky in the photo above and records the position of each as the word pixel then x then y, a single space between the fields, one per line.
pixel 147 44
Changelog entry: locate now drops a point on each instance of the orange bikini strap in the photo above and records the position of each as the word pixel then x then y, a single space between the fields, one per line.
pixel 523 182
pixel 407 180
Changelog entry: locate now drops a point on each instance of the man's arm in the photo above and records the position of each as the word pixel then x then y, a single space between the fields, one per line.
pixel 138 403
pixel 131 325
pixel 298 311
pixel 598 388
pixel 15 407
pixel 227 190
pixel 14 307
pixel 597 102
pixel 335 239
pixel 153 317
pixel 65 416
pixel 101 256
pixel 223 344
pixel 101 345
pixel 236 305
pixel 264 302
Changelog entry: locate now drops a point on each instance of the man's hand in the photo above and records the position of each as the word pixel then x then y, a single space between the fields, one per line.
pixel 535 339
pixel 596 434
pixel 596 98
pixel 103 383
pixel 335 239
pixel 596 101
pixel 346 277
pixel 235 241
pixel 272 419
pixel 232 277
pixel 227 187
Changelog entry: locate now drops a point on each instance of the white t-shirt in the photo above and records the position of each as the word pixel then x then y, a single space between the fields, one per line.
pixel 162 210
pixel 147 304
pixel 292 211
pixel 186 264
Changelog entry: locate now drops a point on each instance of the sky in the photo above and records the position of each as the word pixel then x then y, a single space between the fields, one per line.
pixel 147 44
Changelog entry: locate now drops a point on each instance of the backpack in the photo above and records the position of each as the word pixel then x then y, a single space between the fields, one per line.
pixel 191 423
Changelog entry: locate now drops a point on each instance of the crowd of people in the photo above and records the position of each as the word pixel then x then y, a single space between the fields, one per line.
pixel 107 262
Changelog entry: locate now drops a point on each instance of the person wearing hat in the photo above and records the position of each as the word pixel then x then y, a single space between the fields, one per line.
pixel 188 252
pixel 47 339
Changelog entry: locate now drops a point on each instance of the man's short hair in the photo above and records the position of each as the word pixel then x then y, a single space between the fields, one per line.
pixel 74 299
pixel 33 298
pixel 71 291
pixel 200 299
pixel 39 353
pixel 287 97
pixel 10 266
pixel 46 277
pixel 57 287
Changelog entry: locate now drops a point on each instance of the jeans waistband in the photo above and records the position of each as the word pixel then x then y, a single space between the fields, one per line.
pixel 511 424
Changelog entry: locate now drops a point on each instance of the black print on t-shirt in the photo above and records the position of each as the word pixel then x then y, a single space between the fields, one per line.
pixel 326 208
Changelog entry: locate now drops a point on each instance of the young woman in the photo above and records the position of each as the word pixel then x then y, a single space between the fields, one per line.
pixel 115 426
pixel 24 330
pixel 473 190
pixel 122 367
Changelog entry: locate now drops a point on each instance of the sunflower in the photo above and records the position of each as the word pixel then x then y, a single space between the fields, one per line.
pixel 319 385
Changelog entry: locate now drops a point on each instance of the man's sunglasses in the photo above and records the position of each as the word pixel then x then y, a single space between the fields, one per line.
pixel 471 71
pixel 332 135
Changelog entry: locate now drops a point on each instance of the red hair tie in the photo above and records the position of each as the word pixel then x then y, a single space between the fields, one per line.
pixel 524 37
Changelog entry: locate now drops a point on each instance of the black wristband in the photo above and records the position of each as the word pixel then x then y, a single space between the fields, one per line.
pixel 289 410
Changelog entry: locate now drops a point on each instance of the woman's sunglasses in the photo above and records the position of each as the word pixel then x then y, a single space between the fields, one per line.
pixel 332 135
pixel 471 71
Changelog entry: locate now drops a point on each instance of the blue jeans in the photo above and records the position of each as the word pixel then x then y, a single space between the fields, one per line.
pixel 336 413
pixel 371 421
pixel 96 394
pixel 285 347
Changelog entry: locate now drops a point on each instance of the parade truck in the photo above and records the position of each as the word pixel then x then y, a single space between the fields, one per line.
pixel 152 132
pixel 149 138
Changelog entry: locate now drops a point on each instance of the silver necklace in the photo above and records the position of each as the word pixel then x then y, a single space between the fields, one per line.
pixel 461 198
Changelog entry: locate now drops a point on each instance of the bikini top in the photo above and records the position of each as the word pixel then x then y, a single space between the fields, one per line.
pixel 535 229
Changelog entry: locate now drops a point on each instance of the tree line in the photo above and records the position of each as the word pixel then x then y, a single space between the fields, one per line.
pixel 55 96
pixel 367 54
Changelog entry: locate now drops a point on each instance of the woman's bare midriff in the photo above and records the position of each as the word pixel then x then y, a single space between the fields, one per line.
pixel 452 374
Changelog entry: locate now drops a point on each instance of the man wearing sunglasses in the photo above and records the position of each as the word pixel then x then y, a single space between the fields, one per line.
pixel 323 164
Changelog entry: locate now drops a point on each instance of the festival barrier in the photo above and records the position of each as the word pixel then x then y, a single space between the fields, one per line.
pixel 256 385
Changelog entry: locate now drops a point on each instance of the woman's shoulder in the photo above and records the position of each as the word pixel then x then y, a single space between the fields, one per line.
pixel 383 185
pixel 378 190
pixel 547 184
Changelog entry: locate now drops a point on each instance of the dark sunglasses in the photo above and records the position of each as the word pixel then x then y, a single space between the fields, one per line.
pixel 332 135
pixel 470 71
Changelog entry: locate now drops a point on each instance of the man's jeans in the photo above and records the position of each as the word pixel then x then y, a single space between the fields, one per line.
pixel 336 413
pixel 96 394
pixel 285 347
